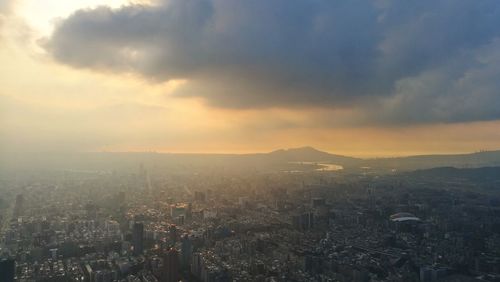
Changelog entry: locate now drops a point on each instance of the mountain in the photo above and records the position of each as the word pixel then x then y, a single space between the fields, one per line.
pixel 310 154
pixel 290 159
pixel 303 158
pixel 479 159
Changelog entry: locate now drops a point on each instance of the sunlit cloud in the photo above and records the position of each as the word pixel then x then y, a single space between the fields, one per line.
pixel 363 78
pixel 416 62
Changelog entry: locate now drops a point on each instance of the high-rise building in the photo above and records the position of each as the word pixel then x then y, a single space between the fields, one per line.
pixel 178 210
pixel 199 196
pixel 186 251
pixel 19 206
pixel 138 238
pixel 171 266
pixel 7 270
pixel 304 221
pixel 317 202
pixel 189 212
pixel 196 265
pixel 121 198
pixel 172 232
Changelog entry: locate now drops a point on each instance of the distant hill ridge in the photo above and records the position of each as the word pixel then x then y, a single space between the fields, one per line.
pixel 479 159
pixel 309 154
pixel 475 174
pixel 275 159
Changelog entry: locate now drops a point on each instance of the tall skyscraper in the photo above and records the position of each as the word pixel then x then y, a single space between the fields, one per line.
pixel 19 206
pixel 138 238
pixel 121 198
pixel 304 221
pixel 7 270
pixel 186 251
pixel 172 232
pixel 171 266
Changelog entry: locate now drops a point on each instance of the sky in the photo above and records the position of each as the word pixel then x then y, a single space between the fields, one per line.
pixel 355 77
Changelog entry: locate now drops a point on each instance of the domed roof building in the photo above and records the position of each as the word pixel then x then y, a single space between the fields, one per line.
pixel 403 216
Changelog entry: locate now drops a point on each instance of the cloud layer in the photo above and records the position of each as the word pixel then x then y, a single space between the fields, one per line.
pixel 4 10
pixel 391 61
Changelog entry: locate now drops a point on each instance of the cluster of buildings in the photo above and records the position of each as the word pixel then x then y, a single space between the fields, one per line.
pixel 217 227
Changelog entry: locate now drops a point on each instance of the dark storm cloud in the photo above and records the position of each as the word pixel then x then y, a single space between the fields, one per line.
pixel 415 61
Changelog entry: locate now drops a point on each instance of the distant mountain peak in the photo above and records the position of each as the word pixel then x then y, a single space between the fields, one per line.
pixel 304 149
pixel 307 154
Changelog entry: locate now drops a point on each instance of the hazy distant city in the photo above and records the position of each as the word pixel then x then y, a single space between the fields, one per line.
pixel 289 215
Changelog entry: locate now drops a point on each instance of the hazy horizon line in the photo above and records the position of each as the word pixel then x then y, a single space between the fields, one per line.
pixel 359 155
